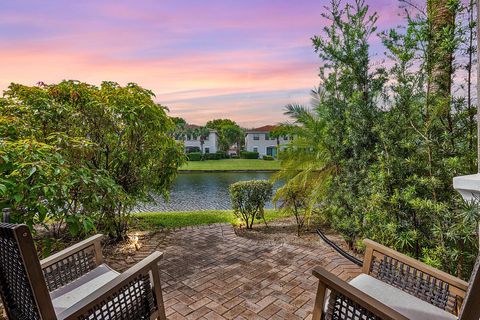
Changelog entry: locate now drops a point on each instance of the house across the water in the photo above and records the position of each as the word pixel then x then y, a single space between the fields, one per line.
pixel 196 141
pixel 260 140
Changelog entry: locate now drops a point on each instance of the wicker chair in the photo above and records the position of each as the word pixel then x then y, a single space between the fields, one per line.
pixel 74 283
pixel 395 286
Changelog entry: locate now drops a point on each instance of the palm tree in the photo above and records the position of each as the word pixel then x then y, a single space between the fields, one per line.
pixel 202 133
pixel 306 162
pixel 441 18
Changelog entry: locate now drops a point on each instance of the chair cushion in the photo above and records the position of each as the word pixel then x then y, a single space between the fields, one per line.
pixel 68 295
pixel 400 301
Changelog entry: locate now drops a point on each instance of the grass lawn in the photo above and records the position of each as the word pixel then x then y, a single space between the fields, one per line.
pixel 232 164
pixel 155 220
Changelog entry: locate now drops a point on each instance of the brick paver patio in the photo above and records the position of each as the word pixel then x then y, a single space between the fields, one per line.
pixel 209 272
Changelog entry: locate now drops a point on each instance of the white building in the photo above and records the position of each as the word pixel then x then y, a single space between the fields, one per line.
pixel 210 142
pixel 259 140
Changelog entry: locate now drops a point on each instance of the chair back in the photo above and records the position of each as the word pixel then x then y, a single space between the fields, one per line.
pixel 6 215
pixel 470 309
pixel 22 285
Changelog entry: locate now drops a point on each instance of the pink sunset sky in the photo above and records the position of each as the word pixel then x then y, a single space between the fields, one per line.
pixel 206 59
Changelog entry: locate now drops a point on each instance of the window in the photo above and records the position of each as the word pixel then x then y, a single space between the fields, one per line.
pixel 285 138
pixel 255 149
pixel 256 137
pixel 267 136
pixel 205 138
pixel 207 150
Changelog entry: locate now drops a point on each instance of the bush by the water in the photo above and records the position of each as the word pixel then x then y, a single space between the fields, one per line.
pixel 194 156
pixel 248 155
pixel 267 158
pixel 249 198
pixel 295 198
pixel 75 157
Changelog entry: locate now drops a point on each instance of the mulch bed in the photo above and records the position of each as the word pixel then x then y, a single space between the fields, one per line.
pixel 285 231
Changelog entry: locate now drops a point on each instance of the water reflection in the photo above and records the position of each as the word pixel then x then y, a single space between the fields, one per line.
pixel 202 191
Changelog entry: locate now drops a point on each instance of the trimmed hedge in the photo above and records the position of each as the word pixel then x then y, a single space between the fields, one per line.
pixel 192 149
pixel 194 156
pixel 248 155
pixel 222 155
pixel 212 156
pixel 269 158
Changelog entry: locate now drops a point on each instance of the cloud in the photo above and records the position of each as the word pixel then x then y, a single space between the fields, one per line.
pixel 212 58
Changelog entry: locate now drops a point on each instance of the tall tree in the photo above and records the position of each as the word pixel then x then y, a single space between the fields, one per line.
pixel 441 21
pixel 229 133
pixel 390 148
pixel 91 153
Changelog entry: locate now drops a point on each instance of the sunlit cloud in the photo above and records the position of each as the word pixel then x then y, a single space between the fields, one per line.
pixel 203 59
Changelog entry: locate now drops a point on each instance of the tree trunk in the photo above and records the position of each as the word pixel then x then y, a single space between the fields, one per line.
pixel 442 22
pixel 439 59
pixel 478 89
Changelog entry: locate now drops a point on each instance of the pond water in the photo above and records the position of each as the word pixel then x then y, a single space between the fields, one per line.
pixel 202 191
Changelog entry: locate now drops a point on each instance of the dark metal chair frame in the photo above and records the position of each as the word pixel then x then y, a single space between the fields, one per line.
pixel 405 273
pixel 26 282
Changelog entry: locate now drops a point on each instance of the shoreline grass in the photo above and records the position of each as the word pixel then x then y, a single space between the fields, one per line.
pixel 231 165
pixel 177 219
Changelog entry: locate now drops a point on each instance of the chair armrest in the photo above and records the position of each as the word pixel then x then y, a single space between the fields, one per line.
pixel 373 247
pixel 71 263
pixel 346 297
pixel 129 295
pixel 398 269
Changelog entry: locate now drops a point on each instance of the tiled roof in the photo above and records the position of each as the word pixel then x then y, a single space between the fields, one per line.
pixel 266 128
pixel 194 126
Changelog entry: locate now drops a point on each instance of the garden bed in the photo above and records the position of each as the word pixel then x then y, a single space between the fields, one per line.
pixel 284 230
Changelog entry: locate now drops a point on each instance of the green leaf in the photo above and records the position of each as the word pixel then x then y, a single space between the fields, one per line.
pixel 18 197
pixel 32 171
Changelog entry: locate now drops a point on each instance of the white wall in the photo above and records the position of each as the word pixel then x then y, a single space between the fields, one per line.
pixel 211 143
pixel 261 144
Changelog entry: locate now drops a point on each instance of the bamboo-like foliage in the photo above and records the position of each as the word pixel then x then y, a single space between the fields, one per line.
pixel 381 143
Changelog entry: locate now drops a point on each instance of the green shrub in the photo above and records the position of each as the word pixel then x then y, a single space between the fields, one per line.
pixel 295 198
pixel 249 198
pixel 194 156
pixel 221 154
pixel 212 156
pixel 249 155
pixel 209 156
pixel 192 149
pixel 75 158
pixel 269 158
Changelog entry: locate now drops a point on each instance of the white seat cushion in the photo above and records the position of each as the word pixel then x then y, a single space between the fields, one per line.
pixel 66 296
pixel 400 301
